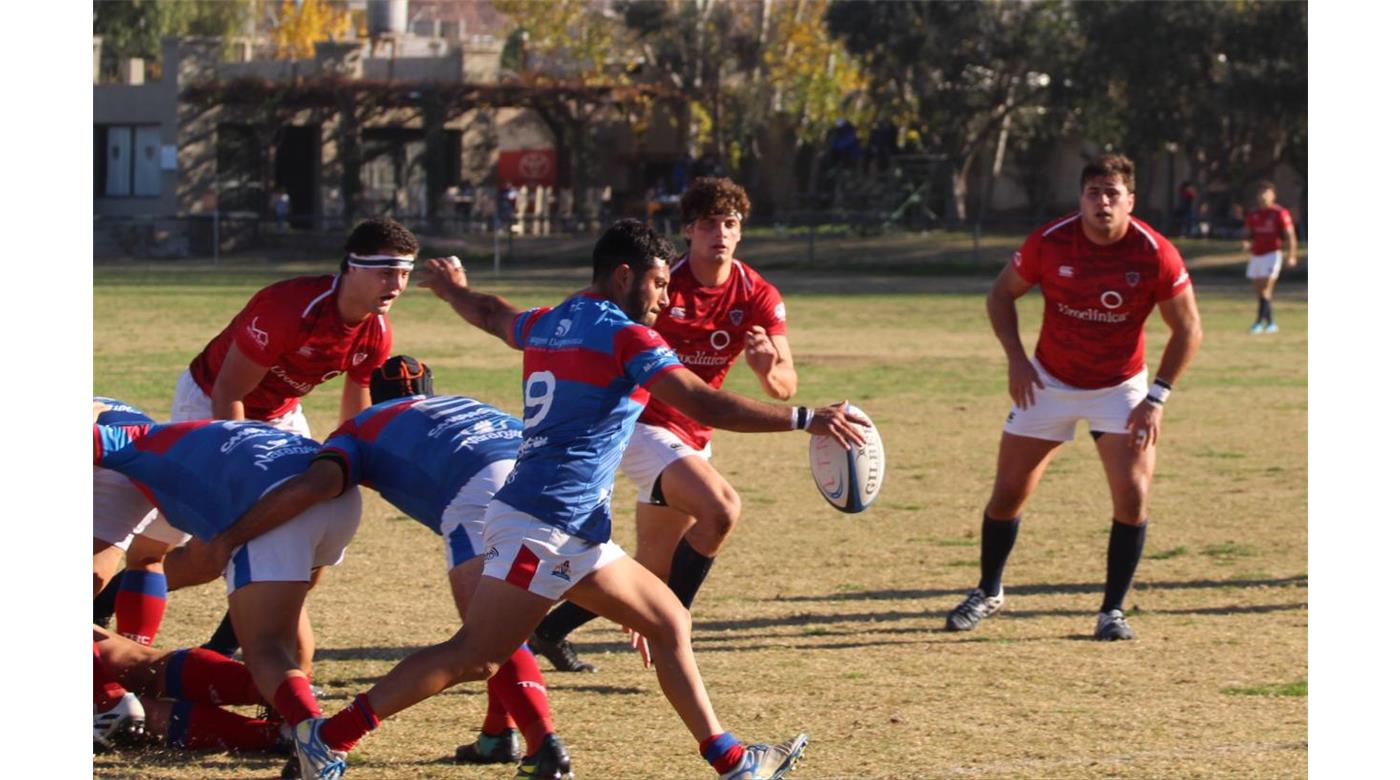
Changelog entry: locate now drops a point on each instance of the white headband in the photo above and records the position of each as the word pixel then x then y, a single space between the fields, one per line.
pixel 380 261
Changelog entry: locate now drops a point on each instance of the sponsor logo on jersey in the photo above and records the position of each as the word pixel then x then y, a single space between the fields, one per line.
pixel 257 333
pixel 1181 278
pixel 1111 299
pixel 359 358
pixel 677 312
pixel 1091 315
pixel 492 554
pixel 562 328
pixel 1067 271
pixel 302 388
pixel 719 340
pixel 780 312
pixel 1016 259
pixel 702 359
pixel 1133 278
pixel 736 316
pixel 279 448
pixel 306 351
pixel 562 572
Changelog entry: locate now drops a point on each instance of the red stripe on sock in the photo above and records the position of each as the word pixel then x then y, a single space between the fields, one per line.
pixel 522 569
pixel 294 700
pixel 346 727
pixel 519 685
pixel 209 677
pixel 139 616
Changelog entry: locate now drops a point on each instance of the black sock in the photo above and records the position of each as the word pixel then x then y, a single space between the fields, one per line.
pixel 1124 552
pixel 106 602
pixel 562 621
pixel 224 640
pixel 998 537
pixel 688 570
pixel 1259 312
pixel 1266 310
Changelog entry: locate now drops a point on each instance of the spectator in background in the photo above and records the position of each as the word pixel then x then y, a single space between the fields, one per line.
pixel 1185 210
pixel 281 207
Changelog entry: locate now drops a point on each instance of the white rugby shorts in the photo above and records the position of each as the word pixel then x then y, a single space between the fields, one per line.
pixel 464 520
pixel 1265 266
pixel 1059 407
pixel 119 510
pixel 651 449
pixel 538 557
pixel 288 553
pixel 192 403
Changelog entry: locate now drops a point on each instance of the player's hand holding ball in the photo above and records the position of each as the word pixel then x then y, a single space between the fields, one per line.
pixel 441 274
pixel 840 423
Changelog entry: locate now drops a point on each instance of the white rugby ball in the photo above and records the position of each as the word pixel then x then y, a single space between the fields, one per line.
pixel 849 479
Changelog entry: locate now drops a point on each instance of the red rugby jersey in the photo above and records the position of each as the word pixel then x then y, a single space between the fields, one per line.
pixel 1266 229
pixel 706 327
pixel 1097 298
pixel 294 330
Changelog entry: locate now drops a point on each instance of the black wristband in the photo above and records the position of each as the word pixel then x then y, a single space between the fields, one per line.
pixel 802 413
pixel 1162 383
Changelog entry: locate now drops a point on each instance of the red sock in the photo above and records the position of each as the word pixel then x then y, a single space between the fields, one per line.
pixel 205 676
pixel 723 751
pixel 346 727
pixel 497 718
pixel 520 688
pixel 196 726
pixel 294 701
pixel 106 691
pixel 140 605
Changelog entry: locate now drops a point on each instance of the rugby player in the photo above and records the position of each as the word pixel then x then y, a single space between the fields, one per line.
pixel 1101 272
pixel 180 693
pixel 1266 226
pixel 438 460
pixel 589 366
pixel 719 309
pixel 289 338
pixel 202 475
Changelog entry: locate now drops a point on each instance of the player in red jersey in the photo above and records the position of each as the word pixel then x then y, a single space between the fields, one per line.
pixel 1101 272
pixel 289 338
pixel 719 309
pixel 1267 225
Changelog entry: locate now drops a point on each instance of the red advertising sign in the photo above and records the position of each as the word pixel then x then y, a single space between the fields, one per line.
pixel 527 166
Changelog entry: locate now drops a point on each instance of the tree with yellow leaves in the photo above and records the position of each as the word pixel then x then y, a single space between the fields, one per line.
pixel 300 25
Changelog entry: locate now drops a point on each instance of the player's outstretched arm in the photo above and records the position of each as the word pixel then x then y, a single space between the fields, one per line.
pixel 448 281
pixel 323 480
pixel 770 357
pixel 237 378
pixel 1021 376
pixel 690 394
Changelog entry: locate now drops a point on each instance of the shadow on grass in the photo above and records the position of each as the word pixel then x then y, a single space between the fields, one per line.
pixel 1049 589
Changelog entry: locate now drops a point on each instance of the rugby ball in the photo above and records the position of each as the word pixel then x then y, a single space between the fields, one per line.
pixel 849 479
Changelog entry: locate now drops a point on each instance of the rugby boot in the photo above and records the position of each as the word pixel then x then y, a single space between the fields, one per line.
pixel 317 760
pixel 550 762
pixel 499 748
pixel 560 653
pixel 974 608
pixel 120 725
pixel 768 762
pixel 1112 627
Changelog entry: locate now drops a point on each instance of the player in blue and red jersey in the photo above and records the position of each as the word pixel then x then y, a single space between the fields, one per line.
pixel 119 511
pixel 439 460
pixel 202 475
pixel 288 339
pixel 719 309
pixel 1101 272
pixel 590 365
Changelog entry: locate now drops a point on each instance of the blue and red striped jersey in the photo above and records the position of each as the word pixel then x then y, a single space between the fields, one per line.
pixel 202 474
pixel 418 452
pixel 587 370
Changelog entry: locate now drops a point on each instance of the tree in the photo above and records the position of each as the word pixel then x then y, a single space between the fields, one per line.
pixel 966 72
pixel 301 24
pixel 134 28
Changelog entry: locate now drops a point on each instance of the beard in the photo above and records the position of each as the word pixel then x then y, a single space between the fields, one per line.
pixel 634 305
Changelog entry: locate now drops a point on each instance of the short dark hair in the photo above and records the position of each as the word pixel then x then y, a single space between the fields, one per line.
pixel 1264 184
pixel 380 236
pixel 709 195
pixel 1110 165
pixel 630 242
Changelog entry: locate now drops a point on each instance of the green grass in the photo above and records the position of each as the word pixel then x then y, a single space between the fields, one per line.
pixel 1299 688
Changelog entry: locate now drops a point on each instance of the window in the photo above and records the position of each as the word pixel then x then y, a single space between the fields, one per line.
pixel 128 161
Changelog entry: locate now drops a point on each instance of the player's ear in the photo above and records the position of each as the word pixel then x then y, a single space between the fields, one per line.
pixel 622 277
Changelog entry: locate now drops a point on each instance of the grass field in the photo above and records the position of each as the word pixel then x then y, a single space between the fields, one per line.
pixel 832 624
